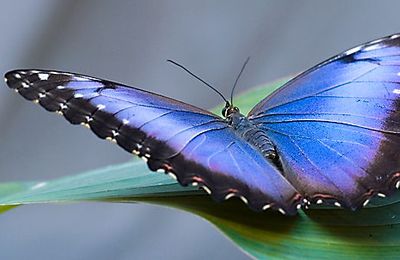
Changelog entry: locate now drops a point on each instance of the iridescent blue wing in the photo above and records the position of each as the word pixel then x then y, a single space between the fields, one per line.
pixel 337 126
pixel 192 144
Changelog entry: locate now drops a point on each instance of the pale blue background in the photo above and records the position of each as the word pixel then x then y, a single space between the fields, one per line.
pixel 129 41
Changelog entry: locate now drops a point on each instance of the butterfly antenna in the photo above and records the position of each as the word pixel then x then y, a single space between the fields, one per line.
pixel 237 79
pixel 191 73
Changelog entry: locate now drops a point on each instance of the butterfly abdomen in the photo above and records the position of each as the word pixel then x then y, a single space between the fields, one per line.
pixel 252 134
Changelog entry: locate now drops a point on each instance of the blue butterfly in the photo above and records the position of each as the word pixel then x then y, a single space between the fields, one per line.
pixel 329 136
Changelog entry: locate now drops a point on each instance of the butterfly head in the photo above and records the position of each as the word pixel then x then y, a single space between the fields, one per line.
pixel 229 109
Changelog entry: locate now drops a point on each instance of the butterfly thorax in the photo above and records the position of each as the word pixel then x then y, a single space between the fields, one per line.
pixel 252 134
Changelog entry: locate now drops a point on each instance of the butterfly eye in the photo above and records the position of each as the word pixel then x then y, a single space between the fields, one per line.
pixel 229 110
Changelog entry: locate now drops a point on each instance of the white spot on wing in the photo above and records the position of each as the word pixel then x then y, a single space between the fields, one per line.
pixel 298 206
pixel 125 121
pixel 353 50
pixel 244 199
pixel 173 176
pixel 25 85
pixel 16 75
pixel 376 41
pixel 337 204
pixel 205 188
pixel 85 124
pixel 381 195
pixel 60 87
pixel 395 36
pixel 229 195
pixel 100 106
pixel 195 183
pixel 266 206
pixel 319 201
pixel 43 76
pixel 111 139
pixel 42 95
pixel 63 106
pixel 115 133
pixel 365 203
pixel 372 47
pixel 80 79
pixel 78 95
pixel 397 184
pixel 281 210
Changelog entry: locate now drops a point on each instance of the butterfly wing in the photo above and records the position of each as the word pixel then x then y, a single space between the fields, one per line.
pixel 337 126
pixel 189 143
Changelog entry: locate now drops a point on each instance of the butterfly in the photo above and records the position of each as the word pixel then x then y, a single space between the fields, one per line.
pixel 329 136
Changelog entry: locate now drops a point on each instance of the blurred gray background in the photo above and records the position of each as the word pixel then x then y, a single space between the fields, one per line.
pixel 129 41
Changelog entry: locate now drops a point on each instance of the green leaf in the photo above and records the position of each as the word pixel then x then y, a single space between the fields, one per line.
pixel 317 233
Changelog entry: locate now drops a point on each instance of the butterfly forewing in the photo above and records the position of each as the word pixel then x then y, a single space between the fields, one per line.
pixel 192 144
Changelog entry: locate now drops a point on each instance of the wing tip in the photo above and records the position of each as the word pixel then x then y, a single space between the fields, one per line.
pixel 13 76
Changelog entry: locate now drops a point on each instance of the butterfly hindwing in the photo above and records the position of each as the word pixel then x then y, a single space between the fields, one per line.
pixel 337 126
pixel 196 146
